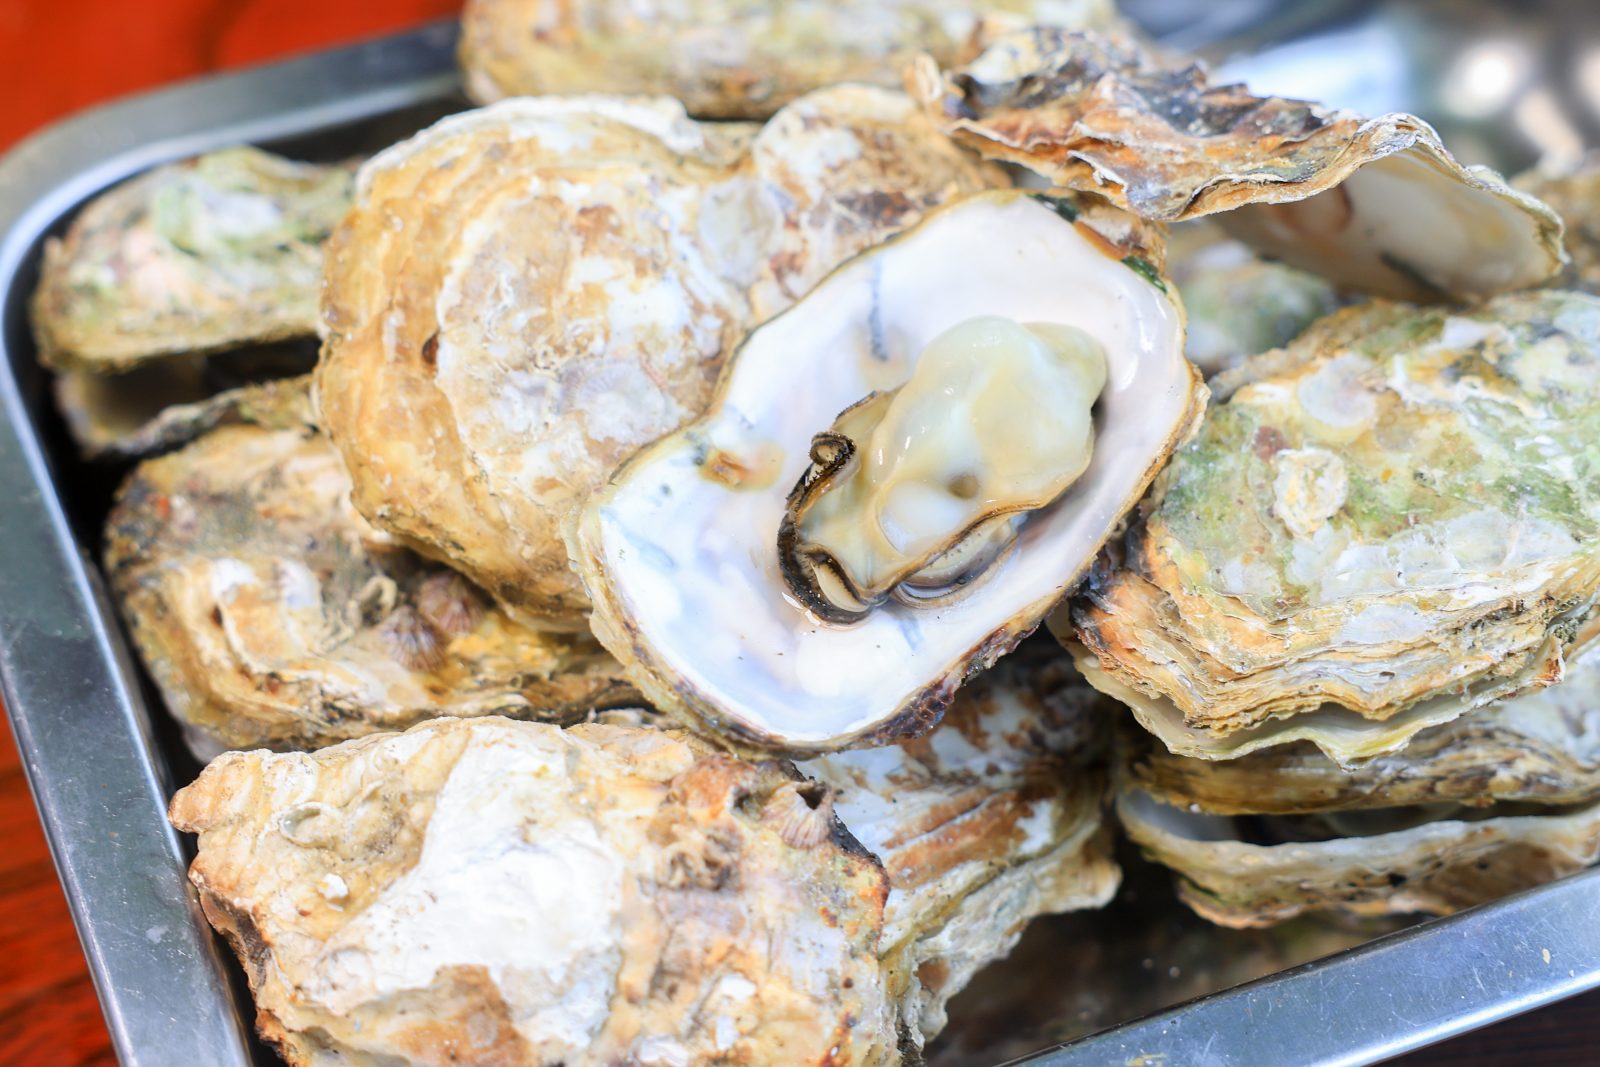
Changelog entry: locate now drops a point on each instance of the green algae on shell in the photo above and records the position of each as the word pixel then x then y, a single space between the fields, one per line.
pixel 1391 521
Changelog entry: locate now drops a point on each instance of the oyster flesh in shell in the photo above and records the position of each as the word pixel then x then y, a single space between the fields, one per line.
pixel 1371 204
pixel 525 294
pixel 270 613
pixel 1387 523
pixel 727 58
pixel 491 891
pixel 992 819
pixel 680 550
pixel 1435 858
pixel 1239 304
pixel 1542 747
pixel 213 252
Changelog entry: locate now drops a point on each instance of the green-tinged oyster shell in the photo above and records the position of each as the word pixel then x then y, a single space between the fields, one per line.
pixel 1373 204
pixel 1392 520
pixel 1542 746
pixel 271 615
pixel 1238 303
pixel 209 253
pixel 1437 859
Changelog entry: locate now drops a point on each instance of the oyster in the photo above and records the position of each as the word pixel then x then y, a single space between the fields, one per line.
pixel 1542 746
pixel 513 893
pixel 525 294
pixel 1387 523
pixel 213 252
pixel 1372 204
pixel 1436 858
pixel 992 819
pixel 1239 304
pixel 164 403
pixel 726 58
pixel 1575 194
pixel 678 551
pixel 271 614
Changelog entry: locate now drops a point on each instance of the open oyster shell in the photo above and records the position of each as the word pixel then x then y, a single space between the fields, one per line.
pixel 271 614
pixel 992 819
pixel 678 550
pixel 209 253
pixel 1575 194
pixel 1435 859
pixel 1542 746
pixel 1239 304
pixel 727 58
pixel 1385 525
pixel 525 294
pixel 1373 204
pixel 513 893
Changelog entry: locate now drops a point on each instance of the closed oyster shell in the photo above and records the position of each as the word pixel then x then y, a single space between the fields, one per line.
pixel 164 403
pixel 209 253
pixel 992 819
pixel 525 294
pixel 679 553
pixel 271 614
pixel 1238 303
pixel 1387 524
pixel 1373 204
pixel 1430 863
pixel 726 58
pixel 1542 747
pixel 513 893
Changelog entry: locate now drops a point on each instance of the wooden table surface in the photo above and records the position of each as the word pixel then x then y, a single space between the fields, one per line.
pixel 57 56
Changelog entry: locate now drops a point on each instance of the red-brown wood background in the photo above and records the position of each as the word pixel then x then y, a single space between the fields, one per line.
pixel 57 56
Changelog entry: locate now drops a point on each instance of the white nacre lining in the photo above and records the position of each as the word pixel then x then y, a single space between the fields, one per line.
pixel 690 561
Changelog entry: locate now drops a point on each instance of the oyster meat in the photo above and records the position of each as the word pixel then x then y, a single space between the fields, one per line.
pixel 1371 204
pixel 1387 523
pixel 209 253
pixel 1238 303
pixel 525 294
pixel 513 893
pixel 1541 747
pixel 680 551
pixel 271 614
pixel 992 819
pixel 727 58
pixel 1434 858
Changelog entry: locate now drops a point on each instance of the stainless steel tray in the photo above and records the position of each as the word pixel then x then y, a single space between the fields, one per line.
pixel 102 767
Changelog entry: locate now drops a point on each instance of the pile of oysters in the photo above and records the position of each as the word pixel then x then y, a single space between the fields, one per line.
pixel 595 542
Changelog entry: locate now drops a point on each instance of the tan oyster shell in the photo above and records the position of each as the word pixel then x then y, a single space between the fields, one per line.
pixel 726 58
pixel 1359 544
pixel 514 893
pixel 992 819
pixel 1375 204
pixel 271 614
pixel 209 253
pixel 1542 746
pixel 525 294
pixel 1435 865
pixel 1575 195
pixel 679 549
